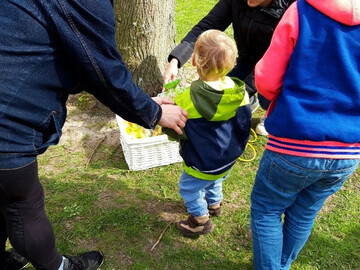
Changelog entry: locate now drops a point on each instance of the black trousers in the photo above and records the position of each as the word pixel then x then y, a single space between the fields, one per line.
pixel 244 70
pixel 23 219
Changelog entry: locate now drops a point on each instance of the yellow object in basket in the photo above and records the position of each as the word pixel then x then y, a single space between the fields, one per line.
pixel 136 131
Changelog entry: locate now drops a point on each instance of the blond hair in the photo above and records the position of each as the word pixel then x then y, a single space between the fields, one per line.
pixel 214 54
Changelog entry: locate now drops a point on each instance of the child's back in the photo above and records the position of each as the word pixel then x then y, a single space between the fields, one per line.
pixel 217 128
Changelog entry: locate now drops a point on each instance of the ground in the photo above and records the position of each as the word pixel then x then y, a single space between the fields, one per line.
pixel 88 125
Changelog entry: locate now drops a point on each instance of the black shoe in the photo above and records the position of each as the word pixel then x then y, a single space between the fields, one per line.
pixel 86 261
pixel 12 261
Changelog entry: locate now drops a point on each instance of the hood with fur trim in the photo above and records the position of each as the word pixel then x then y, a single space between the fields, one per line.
pixel 344 11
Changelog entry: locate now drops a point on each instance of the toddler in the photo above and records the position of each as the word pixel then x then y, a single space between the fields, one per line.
pixel 216 132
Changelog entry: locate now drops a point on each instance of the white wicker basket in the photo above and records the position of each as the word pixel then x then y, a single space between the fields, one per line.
pixel 145 153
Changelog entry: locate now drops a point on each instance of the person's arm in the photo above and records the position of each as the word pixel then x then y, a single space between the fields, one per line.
pixel 171 71
pixel 218 18
pixel 270 70
pixel 85 34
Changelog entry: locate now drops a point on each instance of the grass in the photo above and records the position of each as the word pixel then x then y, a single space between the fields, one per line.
pixel 188 13
pixel 123 213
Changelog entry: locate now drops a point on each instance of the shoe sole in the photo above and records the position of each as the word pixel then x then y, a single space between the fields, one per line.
pixel 26 265
pixel 193 234
pixel 214 214
pixel 102 261
pixel 259 132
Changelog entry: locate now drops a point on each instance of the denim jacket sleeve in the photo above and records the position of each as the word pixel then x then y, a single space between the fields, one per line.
pixel 86 31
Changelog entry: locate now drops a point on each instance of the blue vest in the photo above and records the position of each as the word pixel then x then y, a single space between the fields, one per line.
pixel 320 99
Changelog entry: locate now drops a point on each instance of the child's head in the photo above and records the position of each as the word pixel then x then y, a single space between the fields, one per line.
pixel 214 55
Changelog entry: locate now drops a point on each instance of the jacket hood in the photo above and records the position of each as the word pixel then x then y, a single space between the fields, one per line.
pixel 343 11
pixel 215 105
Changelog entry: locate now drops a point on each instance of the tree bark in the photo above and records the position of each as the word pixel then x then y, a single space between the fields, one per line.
pixel 145 34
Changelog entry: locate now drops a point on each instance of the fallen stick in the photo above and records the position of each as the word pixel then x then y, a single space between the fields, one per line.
pixel 161 235
pixel 90 158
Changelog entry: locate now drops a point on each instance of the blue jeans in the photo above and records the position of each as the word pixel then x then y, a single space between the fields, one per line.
pixel 296 187
pixel 198 193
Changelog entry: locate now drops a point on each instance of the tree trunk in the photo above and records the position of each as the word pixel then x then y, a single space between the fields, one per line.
pixel 145 36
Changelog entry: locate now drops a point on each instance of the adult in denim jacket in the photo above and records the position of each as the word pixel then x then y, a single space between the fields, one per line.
pixel 49 49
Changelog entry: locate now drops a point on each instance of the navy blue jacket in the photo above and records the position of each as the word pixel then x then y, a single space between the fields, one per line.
pixel 217 129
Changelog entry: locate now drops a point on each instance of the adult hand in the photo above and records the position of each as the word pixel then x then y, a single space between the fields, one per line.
pixel 173 117
pixel 162 100
pixel 171 71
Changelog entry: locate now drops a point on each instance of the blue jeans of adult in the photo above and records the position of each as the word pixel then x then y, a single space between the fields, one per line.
pixel 198 194
pixel 297 188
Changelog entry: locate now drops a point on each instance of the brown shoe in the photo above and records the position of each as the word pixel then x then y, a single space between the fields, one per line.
pixel 215 210
pixel 193 226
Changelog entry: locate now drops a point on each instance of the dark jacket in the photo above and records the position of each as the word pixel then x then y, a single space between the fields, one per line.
pixel 217 129
pixel 253 29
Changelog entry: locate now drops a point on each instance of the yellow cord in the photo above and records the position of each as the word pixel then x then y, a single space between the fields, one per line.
pixel 251 146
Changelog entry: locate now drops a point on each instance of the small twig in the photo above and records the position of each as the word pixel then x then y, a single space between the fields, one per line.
pixel 161 235
pixel 69 150
pixel 117 147
pixel 88 161
pixel 54 156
